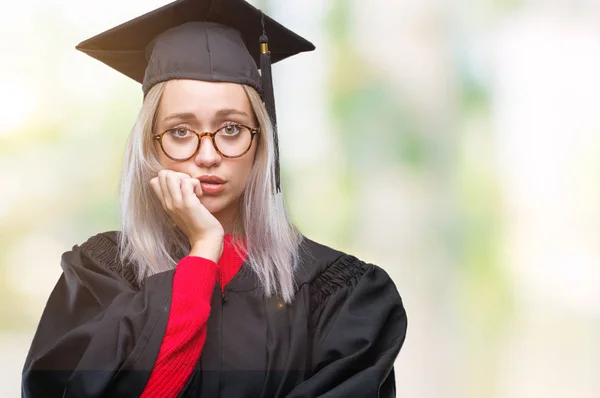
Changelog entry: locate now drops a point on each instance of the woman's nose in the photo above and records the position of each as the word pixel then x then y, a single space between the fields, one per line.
pixel 207 153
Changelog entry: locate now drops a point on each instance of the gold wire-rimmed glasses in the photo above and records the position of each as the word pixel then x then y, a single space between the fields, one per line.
pixel 230 141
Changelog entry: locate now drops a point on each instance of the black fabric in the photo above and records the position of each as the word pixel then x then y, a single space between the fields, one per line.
pixel 103 249
pixel 99 336
pixel 210 40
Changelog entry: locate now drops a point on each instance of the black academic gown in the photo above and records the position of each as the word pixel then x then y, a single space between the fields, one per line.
pixel 100 333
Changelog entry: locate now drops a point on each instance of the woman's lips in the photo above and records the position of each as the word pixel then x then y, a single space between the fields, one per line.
pixel 211 188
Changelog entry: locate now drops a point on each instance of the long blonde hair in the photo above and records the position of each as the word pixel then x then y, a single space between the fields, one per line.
pixel 150 243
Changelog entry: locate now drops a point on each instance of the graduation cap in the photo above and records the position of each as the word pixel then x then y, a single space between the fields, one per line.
pixel 209 40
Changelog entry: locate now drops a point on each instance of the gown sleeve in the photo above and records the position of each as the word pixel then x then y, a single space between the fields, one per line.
pixel 358 326
pixel 98 334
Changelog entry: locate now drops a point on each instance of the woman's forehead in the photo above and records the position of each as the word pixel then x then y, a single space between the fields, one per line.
pixel 205 99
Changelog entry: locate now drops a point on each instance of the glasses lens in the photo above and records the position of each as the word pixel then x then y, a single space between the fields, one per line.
pixel 233 139
pixel 179 143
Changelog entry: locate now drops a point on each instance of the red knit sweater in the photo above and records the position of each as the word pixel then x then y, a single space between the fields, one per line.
pixel 193 283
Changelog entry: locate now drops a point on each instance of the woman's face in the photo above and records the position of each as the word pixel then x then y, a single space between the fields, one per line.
pixel 206 107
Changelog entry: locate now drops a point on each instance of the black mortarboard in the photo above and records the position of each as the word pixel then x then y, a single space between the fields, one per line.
pixel 210 40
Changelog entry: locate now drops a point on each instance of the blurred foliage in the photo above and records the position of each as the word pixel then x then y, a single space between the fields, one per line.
pixel 453 272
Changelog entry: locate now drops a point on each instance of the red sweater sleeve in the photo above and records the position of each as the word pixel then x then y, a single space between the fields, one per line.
pixel 193 283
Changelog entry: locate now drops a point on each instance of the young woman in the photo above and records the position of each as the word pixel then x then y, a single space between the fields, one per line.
pixel 208 290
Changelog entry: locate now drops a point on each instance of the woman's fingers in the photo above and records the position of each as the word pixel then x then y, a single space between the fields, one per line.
pixel 196 188
pixel 168 186
pixel 179 196
pixel 155 184
pixel 162 178
pixel 173 181
pixel 187 190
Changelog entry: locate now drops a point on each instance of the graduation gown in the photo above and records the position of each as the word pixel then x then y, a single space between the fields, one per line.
pixel 100 332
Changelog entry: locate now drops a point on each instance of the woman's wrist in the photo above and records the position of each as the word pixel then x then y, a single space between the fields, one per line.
pixel 209 248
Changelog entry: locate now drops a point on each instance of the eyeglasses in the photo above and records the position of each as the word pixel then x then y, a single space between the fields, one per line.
pixel 230 141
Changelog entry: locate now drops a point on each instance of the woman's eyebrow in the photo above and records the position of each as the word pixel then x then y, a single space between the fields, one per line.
pixel 230 112
pixel 184 116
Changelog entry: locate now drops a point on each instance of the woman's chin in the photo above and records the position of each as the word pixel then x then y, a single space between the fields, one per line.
pixel 213 204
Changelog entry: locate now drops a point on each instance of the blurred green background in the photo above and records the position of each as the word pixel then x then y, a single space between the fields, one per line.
pixel 456 144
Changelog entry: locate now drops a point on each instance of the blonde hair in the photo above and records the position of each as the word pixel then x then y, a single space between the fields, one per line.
pixel 150 243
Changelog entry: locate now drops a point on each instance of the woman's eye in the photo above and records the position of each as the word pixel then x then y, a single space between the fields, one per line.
pixel 231 129
pixel 180 132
